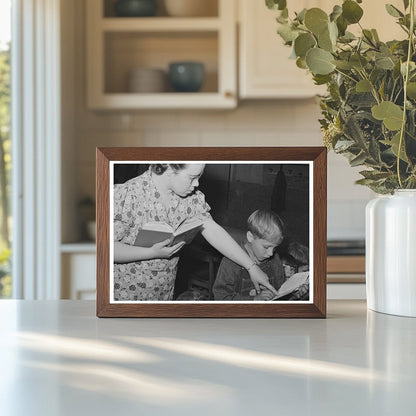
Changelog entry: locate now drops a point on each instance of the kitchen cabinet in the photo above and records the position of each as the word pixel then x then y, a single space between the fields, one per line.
pixel 78 263
pixel 346 274
pixel 265 70
pixel 118 45
pixel 346 277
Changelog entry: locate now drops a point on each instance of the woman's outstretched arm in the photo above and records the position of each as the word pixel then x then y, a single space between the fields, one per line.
pixel 225 244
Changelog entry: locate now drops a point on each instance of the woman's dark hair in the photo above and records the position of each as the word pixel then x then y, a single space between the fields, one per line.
pixel 160 168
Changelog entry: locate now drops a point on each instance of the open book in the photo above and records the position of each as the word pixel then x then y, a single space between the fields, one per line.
pixel 292 284
pixel 155 232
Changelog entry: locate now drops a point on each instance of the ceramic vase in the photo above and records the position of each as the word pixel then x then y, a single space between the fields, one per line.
pixel 391 253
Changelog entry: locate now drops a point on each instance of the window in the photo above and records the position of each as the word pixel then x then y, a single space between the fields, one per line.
pixel 5 159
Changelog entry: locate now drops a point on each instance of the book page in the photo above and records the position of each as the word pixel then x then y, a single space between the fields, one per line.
pixel 157 226
pixel 188 225
pixel 292 284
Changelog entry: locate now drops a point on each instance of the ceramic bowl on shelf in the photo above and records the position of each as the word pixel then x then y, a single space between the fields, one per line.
pixel 147 80
pixel 186 76
pixel 191 8
pixel 135 8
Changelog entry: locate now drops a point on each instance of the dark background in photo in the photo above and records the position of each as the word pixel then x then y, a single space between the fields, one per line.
pixel 234 191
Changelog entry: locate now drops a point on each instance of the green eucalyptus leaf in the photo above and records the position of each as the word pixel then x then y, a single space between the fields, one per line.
pixel 342 25
pixel 319 61
pixel 354 132
pixel 374 174
pixel 301 15
pixel 378 187
pixel 385 50
pixel 377 75
pixel 384 62
pixel 344 65
pixel 325 42
pixel 406 4
pixel 316 20
pixel 301 63
pixel 303 43
pixel 343 145
pixel 351 11
pixel 368 36
pixel 281 19
pixel 358 160
pixel 382 89
pixel 391 114
pixel 411 90
pixel 358 61
pixel 285 13
pixel 375 35
pixel 394 143
pixel 412 67
pixel 365 182
pixel 374 150
pixel 336 12
pixel 363 86
pixel 287 33
pixel 347 37
pixel 321 79
pixel 333 32
pixel 361 100
pixel 276 4
pixel 393 11
pixel 405 21
pixel 334 91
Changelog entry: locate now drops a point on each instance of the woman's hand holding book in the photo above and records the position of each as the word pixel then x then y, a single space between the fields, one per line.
pixel 162 250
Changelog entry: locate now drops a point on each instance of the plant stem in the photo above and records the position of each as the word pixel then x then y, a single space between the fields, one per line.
pixel 373 88
pixel 346 75
pixel 405 81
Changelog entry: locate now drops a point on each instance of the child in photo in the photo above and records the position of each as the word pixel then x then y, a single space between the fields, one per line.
pixel 264 235
pixel 164 193
pixel 295 259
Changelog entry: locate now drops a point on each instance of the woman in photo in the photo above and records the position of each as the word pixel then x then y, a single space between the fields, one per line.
pixel 166 192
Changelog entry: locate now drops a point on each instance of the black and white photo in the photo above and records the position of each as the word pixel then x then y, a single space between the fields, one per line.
pixel 215 232
pixel 240 219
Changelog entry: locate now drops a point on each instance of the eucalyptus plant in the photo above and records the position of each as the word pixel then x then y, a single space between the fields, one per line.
pixel 369 111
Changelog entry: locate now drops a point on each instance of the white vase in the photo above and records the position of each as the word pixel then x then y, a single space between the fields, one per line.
pixel 391 253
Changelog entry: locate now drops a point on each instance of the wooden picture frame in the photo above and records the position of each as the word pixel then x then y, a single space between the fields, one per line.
pixel 265 161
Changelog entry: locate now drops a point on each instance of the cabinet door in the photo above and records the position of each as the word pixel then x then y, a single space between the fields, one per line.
pixel 265 69
pixel 78 276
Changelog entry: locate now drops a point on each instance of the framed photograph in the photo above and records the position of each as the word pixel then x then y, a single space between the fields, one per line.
pixel 211 232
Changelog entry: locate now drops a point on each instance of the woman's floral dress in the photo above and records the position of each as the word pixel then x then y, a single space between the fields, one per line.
pixel 135 203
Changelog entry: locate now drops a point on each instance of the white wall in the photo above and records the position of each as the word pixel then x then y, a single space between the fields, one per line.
pixel 259 123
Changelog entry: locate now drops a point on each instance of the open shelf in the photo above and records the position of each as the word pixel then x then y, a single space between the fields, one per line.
pixel 118 45
pixel 209 9
pixel 127 51
pixel 160 24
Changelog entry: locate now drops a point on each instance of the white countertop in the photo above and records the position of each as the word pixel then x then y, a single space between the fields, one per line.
pixel 57 358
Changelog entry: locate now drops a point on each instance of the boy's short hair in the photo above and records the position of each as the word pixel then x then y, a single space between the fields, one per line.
pixel 298 252
pixel 267 225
